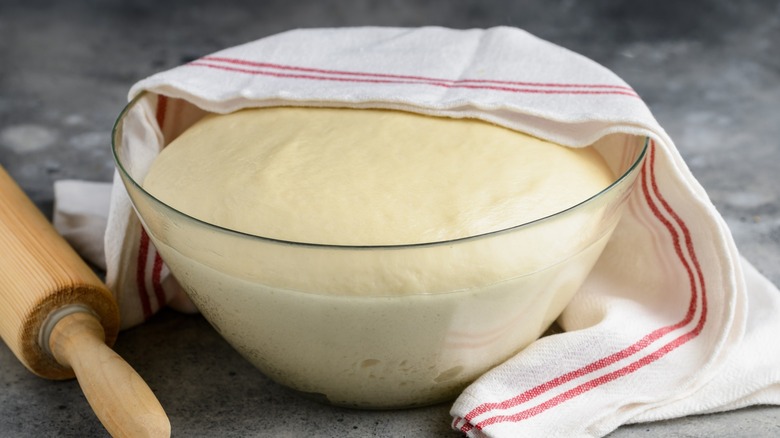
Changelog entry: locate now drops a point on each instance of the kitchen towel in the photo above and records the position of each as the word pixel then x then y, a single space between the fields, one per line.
pixel 671 322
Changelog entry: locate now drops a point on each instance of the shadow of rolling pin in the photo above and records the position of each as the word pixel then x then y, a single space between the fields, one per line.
pixel 59 319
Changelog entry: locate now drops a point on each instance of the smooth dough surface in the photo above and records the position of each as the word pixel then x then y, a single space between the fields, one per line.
pixel 367 177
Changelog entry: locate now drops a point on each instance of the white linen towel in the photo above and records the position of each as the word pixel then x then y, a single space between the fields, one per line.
pixel 671 322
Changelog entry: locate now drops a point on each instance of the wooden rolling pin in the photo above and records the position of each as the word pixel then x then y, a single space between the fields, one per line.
pixel 59 319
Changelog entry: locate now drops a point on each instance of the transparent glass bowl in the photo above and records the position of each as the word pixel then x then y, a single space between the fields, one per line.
pixel 377 327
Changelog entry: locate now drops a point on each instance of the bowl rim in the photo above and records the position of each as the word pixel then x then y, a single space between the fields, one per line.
pixel 127 177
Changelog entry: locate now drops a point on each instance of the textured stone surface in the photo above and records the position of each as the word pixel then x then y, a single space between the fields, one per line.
pixel 709 70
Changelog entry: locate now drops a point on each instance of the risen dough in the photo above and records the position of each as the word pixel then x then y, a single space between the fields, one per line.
pixel 367 177
pixel 382 327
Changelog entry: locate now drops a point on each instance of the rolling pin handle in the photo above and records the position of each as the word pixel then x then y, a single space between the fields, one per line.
pixel 123 402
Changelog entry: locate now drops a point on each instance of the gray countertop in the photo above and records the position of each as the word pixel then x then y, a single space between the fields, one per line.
pixel 709 70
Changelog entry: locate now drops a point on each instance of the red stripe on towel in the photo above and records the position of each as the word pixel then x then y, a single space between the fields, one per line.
pixel 159 293
pixel 162 106
pixel 389 80
pixel 410 77
pixel 140 274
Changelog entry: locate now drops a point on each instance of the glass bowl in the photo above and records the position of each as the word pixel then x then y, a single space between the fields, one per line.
pixel 377 327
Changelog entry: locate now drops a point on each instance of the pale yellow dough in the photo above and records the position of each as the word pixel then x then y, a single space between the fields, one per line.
pixel 367 177
pixel 383 327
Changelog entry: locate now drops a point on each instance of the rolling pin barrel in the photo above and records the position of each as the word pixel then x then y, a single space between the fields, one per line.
pixel 39 274
pixel 59 319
